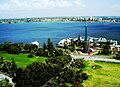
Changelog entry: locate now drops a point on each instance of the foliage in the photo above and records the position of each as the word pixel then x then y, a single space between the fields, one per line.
pixel 60 60
pixel 117 56
pixel 72 75
pixel 37 74
pixel 1 60
pixel 4 68
pixel 13 67
pixel 96 67
pixel 48 50
pixel 79 63
pixel 13 50
pixel 30 55
pixel 5 83
pixel 105 49
pixel 77 84
pixel 10 69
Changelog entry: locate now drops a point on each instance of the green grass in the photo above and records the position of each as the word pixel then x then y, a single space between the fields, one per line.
pixel 22 60
pixel 106 76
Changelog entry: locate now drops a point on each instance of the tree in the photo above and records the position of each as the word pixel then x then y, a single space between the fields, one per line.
pixel 33 47
pixel 21 46
pixel 37 74
pixel 31 55
pixel 79 63
pixel 50 45
pixel 14 49
pixel 65 46
pixel 1 60
pixel 40 52
pixel 6 46
pixel 5 83
pixel 79 41
pixel 4 68
pixel 117 56
pixel 106 49
pixel 77 84
pixel 27 48
pixel 58 52
pixel 18 75
pixel 13 66
pixel 44 47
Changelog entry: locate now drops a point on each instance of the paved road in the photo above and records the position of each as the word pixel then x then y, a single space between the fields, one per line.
pixel 96 58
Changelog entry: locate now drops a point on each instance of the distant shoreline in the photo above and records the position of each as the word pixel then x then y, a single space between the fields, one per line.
pixel 62 19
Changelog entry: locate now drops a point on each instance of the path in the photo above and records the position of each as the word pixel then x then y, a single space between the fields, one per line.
pixel 96 58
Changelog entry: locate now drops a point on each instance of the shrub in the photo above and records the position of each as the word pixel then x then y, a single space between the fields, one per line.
pixel 117 56
pixel 79 63
pixel 96 67
pixel 30 55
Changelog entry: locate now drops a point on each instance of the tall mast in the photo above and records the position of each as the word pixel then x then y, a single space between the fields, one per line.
pixel 86 32
pixel 86 39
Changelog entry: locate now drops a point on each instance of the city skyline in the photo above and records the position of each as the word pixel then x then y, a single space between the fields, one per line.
pixel 55 8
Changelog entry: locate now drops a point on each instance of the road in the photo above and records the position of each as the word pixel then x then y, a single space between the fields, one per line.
pixel 96 58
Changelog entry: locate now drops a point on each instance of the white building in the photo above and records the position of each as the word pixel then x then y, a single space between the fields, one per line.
pixel 63 41
pixel 36 43
pixel 102 40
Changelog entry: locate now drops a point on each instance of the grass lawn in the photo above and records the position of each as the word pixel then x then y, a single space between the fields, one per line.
pixel 106 76
pixel 22 60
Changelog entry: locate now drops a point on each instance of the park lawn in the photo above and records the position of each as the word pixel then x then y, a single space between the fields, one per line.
pixel 106 76
pixel 22 60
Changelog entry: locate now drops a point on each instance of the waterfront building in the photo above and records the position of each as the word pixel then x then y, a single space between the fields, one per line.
pixel 36 43
pixel 115 48
pixel 102 40
pixel 63 41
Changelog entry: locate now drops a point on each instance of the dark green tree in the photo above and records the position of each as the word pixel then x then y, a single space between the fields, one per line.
pixel 14 49
pixel 106 49
pixel 4 68
pixel 5 83
pixel 6 46
pixel 65 46
pixel 50 45
pixel 44 47
pixel 117 56
pixel 13 66
pixel 39 52
pixel 1 60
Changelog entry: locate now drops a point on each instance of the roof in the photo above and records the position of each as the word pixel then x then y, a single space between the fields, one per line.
pixel 61 43
pixel 36 43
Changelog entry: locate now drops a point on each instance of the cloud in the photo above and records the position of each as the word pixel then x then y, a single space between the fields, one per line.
pixel 30 5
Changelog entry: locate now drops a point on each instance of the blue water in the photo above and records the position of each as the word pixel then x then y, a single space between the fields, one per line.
pixel 41 31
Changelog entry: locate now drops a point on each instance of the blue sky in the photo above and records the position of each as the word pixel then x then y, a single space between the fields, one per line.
pixel 51 8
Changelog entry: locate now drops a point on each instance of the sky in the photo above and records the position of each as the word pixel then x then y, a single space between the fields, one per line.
pixel 58 8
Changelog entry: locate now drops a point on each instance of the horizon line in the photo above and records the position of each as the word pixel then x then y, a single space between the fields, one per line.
pixel 54 17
